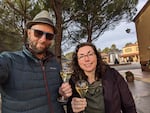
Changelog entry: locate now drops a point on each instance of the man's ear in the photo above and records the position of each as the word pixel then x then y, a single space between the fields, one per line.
pixel 28 32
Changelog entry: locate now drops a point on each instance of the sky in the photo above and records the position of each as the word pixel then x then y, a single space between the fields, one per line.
pixel 118 36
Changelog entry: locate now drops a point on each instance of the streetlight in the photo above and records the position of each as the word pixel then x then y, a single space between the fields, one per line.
pixel 128 30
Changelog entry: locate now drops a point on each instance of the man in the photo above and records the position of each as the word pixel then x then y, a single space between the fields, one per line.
pixel 29 79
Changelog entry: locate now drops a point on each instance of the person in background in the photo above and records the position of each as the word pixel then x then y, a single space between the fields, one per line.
pixel 108 92
pixel 29 79
pixel 116 61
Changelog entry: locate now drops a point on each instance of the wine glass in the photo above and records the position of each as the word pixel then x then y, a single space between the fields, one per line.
pixel 82 88
pixel 65 75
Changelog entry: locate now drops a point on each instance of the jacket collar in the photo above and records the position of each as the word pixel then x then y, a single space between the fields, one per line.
pixel 31 54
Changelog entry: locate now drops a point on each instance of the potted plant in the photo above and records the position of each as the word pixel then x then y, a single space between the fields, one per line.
pixel 129 76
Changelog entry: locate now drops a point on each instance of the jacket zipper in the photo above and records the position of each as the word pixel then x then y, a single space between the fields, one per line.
pixel 46 87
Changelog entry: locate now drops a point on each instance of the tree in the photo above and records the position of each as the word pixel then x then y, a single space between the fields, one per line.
pixel 24 10
pixel 69 56
pixel 106 50
pixel 127 44
pixel 9 30
pixel 14 15
pixel 56 5
pixel 75 19
pixel 113 48
pixel 94 17
pixel 78 19
pixel 61 9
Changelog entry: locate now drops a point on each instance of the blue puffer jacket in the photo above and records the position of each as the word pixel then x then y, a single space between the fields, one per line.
pixel 29 85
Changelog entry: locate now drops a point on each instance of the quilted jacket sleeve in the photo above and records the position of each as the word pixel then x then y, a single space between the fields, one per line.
pixel 3 68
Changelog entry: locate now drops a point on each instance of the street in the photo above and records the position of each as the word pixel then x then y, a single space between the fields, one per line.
pixel 135 65
pixel 141 94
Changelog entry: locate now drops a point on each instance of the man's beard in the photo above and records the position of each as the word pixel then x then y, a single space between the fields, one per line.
pixel 35 50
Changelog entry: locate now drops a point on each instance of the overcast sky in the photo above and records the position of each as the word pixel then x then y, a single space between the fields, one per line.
pixel 119 36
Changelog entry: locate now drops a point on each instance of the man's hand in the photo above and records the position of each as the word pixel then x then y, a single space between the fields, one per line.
pixel 65 90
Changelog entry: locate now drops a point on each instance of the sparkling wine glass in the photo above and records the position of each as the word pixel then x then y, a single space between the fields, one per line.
pixel 82 88
pixel 65 75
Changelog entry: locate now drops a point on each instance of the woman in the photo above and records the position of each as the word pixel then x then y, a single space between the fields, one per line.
pixel 108 92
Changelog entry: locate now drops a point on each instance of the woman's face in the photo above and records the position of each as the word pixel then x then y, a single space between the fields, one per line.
pixel 87 59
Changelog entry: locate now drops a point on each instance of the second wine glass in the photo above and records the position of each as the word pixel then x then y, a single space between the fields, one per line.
pixel 82 88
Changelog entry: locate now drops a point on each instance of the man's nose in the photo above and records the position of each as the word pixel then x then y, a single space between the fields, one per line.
pixel 43 37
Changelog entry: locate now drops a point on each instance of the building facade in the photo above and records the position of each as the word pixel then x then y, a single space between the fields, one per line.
pixel 142 23
pixel 130 53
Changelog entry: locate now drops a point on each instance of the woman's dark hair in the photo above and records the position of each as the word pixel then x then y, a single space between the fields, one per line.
pixel 78 73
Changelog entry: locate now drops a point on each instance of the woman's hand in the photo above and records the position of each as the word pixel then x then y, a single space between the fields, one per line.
pixel 65 90
pixel 78 104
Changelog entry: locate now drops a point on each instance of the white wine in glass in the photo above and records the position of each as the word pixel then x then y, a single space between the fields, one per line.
pixel 82 88
pixel 65 77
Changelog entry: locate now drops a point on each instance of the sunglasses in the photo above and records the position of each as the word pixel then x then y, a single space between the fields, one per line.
pixel 39 34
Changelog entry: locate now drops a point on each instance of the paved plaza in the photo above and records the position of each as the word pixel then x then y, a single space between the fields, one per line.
pixel 140 89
